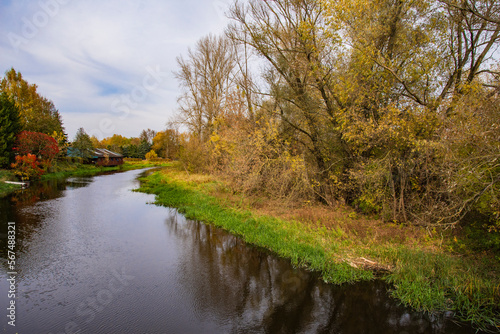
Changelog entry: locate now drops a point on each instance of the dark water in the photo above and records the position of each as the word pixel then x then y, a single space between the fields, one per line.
pixel 94 257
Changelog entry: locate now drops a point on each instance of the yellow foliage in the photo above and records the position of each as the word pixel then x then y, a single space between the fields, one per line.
pixel 151 155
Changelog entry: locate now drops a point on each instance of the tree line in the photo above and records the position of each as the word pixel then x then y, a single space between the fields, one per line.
pixel 32 135
pixel 150 144
pixel 391 106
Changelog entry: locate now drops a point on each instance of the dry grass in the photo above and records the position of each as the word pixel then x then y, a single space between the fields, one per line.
pixel 316 216
pixel 362 229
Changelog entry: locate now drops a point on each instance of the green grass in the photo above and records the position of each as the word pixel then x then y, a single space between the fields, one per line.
pixel 62 169
pixel 65 169
pixel 422 275
pixel 440 282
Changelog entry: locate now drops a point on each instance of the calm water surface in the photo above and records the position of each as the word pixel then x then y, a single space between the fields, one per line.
pixel 95 257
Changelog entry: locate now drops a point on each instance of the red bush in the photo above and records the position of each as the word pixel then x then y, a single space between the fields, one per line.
pixel 26 167
pixel 39 144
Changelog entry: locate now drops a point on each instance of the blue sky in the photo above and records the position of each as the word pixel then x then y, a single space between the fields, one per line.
pixel 106 64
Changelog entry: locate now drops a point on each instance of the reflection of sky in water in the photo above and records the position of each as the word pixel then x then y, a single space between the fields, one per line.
pixel 184 277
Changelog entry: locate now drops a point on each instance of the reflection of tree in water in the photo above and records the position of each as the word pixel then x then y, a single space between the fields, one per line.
pixel 247 290
pixel 45 190
pixel 22 206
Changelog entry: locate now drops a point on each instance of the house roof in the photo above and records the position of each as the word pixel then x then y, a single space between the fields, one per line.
pixel 96 153
pixel 102 152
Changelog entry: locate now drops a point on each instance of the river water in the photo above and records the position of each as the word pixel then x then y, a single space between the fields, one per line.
pixel 94 257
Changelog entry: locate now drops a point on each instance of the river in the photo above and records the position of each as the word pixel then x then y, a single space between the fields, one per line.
pixel 92 256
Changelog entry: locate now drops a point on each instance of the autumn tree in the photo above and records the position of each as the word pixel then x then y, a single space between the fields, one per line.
pixel 96 143
pixel 27 167
pixel 9 128
pixel 288 35
pixel 37 113
pixel 470 159
pixel 62 143
pixel 367 102
pixel 151 155
pixel 405 69
pixel 44 147
pixel 166 143
pixel 115 143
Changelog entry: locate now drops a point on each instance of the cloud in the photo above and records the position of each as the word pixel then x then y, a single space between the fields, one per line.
pixel 87 55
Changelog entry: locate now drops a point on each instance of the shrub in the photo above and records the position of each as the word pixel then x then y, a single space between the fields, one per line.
pixel 151 155
pixel 26 167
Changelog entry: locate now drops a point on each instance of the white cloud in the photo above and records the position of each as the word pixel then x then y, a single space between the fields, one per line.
pixel 86 55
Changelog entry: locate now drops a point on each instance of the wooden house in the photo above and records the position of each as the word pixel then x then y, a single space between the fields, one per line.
pixel 104 157
pixel 97 156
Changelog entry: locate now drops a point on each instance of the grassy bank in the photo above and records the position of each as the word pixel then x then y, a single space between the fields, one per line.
pixel 424 267
pixel 62 169
pixel 65 169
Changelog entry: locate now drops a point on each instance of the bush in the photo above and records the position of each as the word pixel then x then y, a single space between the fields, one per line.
pixel 194 155
pixel 151 155
pixel 26 167
pixel 255 160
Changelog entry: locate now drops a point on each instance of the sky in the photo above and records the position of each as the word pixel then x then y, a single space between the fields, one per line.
pixel 106 64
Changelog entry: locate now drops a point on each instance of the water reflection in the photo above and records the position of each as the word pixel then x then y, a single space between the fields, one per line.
pixel 28 219
pixel 46 190
pixel 249 290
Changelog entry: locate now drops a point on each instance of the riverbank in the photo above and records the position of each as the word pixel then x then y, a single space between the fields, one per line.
pixel 76 169
pixel 67 169
pixel 428 270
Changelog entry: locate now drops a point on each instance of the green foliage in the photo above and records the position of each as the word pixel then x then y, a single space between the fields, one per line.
pixel 143 149
pixel 82 145
pixel 437 282
pixel 9 128
pixel 6 188
pixel 480 233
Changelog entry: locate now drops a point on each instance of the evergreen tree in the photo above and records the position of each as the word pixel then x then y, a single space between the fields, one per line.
pixel 82 145
pixel 132 151
pixel 143 149
pixel 9 127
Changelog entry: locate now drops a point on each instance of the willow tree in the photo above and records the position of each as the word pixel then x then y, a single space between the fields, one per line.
pixel 408 65
pixel 289 37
